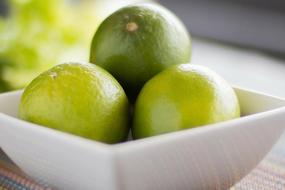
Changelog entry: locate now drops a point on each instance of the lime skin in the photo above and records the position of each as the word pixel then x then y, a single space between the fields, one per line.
pixel 139 41
pixel 81 99
pixel 181 97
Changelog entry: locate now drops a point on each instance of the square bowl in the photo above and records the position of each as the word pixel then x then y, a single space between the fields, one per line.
pixel 210 157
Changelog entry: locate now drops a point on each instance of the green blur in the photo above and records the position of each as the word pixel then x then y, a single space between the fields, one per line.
pixel 38 34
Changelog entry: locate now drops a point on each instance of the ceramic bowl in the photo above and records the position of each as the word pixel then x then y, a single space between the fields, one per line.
pixel 209 157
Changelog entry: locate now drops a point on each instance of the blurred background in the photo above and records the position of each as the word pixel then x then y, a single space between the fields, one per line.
pixel 37 34
pixel 243 40
pixel 254 23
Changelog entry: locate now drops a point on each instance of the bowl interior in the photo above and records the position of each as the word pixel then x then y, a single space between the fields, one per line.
pixel 9 103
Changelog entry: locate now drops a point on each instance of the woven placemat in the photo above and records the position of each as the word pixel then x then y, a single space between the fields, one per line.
pixel 268 175
pixel 11 177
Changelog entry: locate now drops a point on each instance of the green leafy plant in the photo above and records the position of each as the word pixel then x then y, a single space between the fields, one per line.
pixel 38 34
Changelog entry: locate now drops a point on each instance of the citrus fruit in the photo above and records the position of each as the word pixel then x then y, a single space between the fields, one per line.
pixel 82 99
pixel 183 96
pixel 137 42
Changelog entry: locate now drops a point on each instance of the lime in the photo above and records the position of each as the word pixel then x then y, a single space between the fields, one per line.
pixel 82 99
pixel 137 42
pixel 183 96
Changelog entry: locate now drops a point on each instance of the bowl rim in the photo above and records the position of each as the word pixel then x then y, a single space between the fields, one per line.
pixel 16 122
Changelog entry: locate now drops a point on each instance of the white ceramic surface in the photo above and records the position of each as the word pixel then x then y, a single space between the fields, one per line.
pixel 210 157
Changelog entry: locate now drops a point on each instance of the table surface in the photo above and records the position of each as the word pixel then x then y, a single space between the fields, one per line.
pixel 241 67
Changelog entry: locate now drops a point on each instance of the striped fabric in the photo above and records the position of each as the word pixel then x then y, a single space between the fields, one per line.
pixel 11 181
pixel 11 178
pixel 269 175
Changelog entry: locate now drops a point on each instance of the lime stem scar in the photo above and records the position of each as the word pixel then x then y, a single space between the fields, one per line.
pixel 53 75
pixel 131 26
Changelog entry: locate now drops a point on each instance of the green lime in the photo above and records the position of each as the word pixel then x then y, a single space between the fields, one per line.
pixel 183 96
pixel 82 99
pixel 139 41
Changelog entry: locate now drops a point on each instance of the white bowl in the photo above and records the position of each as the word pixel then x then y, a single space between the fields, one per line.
pixel 210 157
